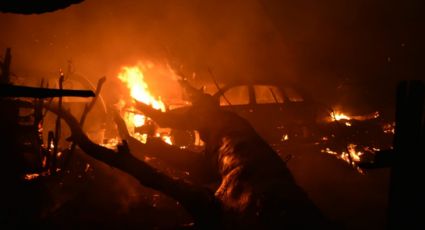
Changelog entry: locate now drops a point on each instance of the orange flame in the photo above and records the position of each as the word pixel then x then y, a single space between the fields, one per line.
pixel 133 77
pixel 337 116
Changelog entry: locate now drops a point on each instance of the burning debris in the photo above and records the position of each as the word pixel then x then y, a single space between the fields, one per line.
pixel 243 198
pixel 140 126
pixel 146 127
pixel 356 139
pixel 24 123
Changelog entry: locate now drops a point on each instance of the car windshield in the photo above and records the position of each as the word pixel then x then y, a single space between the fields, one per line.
pixel 238 95
pixel 266 94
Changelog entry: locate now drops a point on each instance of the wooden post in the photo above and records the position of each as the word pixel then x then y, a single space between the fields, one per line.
pixel 407 193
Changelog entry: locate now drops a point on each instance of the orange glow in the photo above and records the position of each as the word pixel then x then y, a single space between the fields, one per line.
pixel 389 128
pixel 355 156
pixel 134 78
pixel 351 156
pixel 31 176
pixel 337 116
pixel 285 137
pixel 167 139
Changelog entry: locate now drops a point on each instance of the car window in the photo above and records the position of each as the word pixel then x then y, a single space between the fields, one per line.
pixel 293 95
pixel 265 94
pixel 238 95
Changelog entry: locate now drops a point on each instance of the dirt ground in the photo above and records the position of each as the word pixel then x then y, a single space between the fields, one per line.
pixel 357 201
pixel 94 195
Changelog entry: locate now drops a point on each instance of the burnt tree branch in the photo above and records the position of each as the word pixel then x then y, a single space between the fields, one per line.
pixel 88 107
pixel 198 201
pixel 181 159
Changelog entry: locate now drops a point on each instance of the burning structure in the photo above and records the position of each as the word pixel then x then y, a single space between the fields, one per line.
pixel 256 48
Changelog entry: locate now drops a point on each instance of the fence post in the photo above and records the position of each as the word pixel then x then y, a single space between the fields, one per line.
pixel 407 182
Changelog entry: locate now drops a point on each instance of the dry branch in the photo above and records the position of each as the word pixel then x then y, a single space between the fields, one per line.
pixel 88 107
pixel 198 201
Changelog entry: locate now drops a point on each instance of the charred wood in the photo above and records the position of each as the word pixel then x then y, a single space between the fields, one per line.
pixel 198 201
pixel 256 189
pixel 34 92
pixel 88 107
pixel 195 163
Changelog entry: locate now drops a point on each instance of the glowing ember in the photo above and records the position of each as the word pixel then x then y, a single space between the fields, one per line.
pixel 337 116
pixel 329 151
pixel 389 128
pixel 352 156
pixel 355 156
pixel 31 176
pixel 44 162
pixel 167 139
pixel 111 143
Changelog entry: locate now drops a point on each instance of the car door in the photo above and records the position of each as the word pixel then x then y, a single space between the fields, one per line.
pixel 267 112
pixel 238 99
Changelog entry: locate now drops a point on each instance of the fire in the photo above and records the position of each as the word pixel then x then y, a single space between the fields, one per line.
pixel 134 78
pixel 337 116
pixel 31 176
pixel 167 139
pixel 389 128
pixel 354 155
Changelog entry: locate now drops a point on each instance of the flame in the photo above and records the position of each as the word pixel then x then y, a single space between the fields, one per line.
pixel 134 79
pixel 31 176
pixel 110 143
pixel 389 128
pixel 329 151
pixel 355 156
pixel 351 156
pixel 167 139
pixel 285 137
pixel 337 116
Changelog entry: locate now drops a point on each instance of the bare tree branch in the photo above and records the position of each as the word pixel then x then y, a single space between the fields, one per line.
pixel 198 201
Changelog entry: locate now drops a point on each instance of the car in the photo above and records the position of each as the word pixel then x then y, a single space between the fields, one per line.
pixel 286 114
pixel 278 113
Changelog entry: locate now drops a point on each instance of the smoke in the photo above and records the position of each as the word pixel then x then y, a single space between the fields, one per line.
pixel 233 38
pixel 324 46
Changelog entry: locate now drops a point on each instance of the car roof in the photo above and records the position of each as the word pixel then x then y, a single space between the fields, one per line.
pixel 280 85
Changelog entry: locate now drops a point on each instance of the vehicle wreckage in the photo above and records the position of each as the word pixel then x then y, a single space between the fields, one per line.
pixel 236 160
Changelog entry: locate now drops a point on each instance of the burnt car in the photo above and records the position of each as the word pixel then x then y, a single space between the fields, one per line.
pixel 286 114
pixel 278 113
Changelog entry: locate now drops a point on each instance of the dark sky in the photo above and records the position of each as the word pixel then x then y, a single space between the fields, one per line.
pixel 355 49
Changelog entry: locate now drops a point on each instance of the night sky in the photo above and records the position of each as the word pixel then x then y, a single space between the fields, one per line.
pixel 357 50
